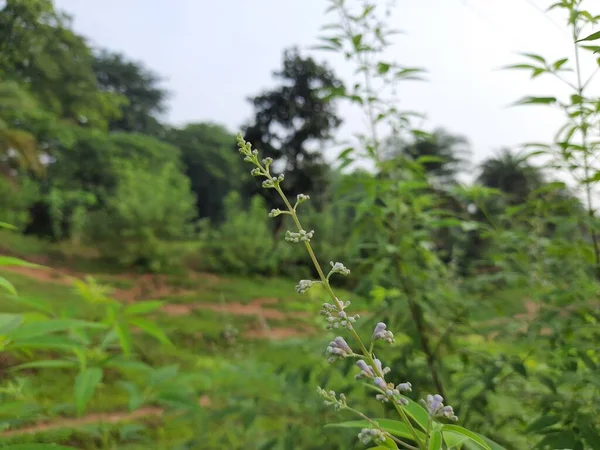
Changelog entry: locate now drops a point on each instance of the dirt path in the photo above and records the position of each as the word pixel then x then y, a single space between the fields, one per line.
pixel 95 418
pixel 156 286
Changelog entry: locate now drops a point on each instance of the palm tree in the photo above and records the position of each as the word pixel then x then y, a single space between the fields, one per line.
pixel 442 155
pixel 511 173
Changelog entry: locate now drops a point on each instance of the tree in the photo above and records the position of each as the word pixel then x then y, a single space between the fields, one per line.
pixel 441 154
pixel 85 173
pixel 291 120
pixel 512 174
pixel 150 210
pixel 39 50
pixel 18 147
pixel 210 163
pixel 139 86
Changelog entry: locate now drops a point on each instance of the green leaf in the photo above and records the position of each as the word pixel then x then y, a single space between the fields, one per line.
pixel 394 427
pixel 151 329
pixel 135 396
pixel 472 436
pixel 417 413
pixel 542 423
pixel 9 322
pixel 37 447
pixel 85 386
pixel 8 226
pixel 12 261
pixel 47 364
pixel 454 440
pixel 124 337
pixel 4 283
pixel 163 374
pixel 356 40
pixel 430 159
pixel 558 64
pixel 534 56
pixel 592 37
pixel 435 442
pixel 42 328
pixel 45 342
pixel 383 68
pixel 143 307
pixel 521 66
pixel 536 101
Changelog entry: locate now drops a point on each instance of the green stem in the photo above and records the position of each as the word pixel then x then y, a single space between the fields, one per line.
pixel 367 354
pixel 376 425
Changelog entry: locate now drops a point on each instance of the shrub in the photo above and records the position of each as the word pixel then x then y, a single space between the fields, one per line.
pixel 148 214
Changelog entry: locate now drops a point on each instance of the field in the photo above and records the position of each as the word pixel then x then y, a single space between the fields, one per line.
pixel 251 341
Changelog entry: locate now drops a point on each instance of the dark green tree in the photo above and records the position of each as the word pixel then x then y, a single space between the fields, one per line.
pixel 441 154
pixel 39 50
pixel 292 121
pixel 210 163
pixel 139 86
pixel 512 174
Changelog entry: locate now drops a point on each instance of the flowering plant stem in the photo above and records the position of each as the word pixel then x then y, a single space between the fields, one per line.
pixel 274 182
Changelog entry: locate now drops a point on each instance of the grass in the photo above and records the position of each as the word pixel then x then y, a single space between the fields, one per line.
pixel 258 387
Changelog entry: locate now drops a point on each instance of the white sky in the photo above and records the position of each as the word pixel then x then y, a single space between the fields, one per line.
pixel 214 54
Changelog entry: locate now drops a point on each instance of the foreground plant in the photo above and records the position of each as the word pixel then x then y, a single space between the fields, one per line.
pixel 420 427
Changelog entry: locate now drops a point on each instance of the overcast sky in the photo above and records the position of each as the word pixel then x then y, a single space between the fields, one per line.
pixel 214 54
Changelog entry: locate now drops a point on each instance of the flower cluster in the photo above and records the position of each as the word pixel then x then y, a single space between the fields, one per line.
pixel 390 392
pixel 368 435
pixel 338 349
pixel 367 371
pixel 435 407
pixel 336 318
pixel 338 267
pixel 301 236
pixel 301 198
pixel 381 333
pixel 273 182
pixel 331 399
pixel 304 285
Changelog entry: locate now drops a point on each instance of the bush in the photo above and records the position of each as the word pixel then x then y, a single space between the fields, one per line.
pixel 141 224
pixel 16 197
pixel 243 243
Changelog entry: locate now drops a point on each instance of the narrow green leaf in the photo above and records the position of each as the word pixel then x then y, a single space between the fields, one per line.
pixel 534 56
pixel 12 261
pixel 558 64
pixel 8 226
pixel 435 442
pixel 124 337
pixel 135 396
pixel 46 364
pixel 472 436
pixel 85 386
pixel 9 322
pixel 4 283
pixel 37 447
pixel 45 342
pixel 536 101
pixel 150 328
pixel 542 423
pixel 592 37
pixel 143 307
pixel 42 328
pixel 521 66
